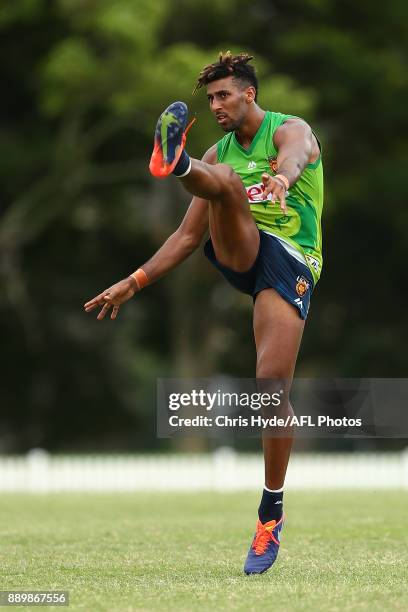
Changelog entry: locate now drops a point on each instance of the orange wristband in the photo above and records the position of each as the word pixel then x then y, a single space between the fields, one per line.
pixel 284 180
pixel 140 277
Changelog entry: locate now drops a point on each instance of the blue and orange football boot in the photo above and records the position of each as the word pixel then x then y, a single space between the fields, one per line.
pixel 169 139
pixel 265 546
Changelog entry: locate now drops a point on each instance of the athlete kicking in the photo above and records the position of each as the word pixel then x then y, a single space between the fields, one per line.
pixel 259 191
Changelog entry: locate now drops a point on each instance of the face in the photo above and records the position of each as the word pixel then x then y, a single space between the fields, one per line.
pixel 229 102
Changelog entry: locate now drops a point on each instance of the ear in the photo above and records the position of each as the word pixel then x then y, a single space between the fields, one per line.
pixel 250 94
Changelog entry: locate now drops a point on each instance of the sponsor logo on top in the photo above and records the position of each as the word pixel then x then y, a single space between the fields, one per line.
pixel 256 194
pixel 251 165
pixel 313 262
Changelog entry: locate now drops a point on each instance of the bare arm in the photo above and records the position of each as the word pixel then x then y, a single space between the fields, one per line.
pixel 297 146
pixel 182 243
pixel 176 249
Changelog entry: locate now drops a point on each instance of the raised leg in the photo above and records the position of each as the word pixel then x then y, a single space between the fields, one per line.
pixel 234 234
pixel 233 231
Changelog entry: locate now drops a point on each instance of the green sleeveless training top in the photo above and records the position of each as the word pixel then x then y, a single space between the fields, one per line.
pixel 301 226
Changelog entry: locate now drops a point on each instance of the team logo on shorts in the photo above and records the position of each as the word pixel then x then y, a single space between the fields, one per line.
pixel 302 286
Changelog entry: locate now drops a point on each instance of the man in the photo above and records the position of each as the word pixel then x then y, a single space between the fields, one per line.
pixel 259 191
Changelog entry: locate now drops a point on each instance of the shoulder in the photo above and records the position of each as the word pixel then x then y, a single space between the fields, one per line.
pixel 294 128
pixel 295 132
pixel 294 124
pixel 210 156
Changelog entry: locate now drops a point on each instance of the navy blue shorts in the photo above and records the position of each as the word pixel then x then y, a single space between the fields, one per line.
pixel 274 267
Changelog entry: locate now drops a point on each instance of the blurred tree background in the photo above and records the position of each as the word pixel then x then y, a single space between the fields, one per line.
pixel 83 82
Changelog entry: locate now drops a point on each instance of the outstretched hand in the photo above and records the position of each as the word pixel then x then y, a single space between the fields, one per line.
pixel 113 297
pixel 276 188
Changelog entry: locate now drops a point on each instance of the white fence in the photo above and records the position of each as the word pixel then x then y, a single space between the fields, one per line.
pixel 222 471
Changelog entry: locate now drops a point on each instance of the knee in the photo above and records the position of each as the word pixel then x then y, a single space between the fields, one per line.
pixel 273 378
pixel 229 179
pixel 226 171
pixel 270 369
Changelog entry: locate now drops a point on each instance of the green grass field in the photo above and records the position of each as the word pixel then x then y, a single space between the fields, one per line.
pixel 340 551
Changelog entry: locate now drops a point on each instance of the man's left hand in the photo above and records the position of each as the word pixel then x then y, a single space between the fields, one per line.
pixel 276 188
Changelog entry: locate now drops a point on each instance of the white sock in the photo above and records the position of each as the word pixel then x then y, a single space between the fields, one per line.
pixel 273 490
pixel 186 172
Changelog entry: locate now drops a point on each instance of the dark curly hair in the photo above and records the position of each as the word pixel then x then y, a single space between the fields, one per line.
pixel 229 65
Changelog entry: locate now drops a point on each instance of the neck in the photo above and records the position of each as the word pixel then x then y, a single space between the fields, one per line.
pixel 246 132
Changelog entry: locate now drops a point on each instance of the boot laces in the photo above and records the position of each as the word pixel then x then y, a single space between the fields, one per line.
pixel 262 538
